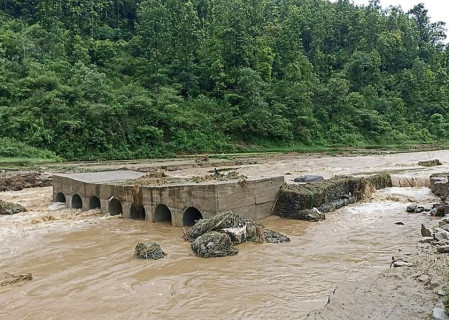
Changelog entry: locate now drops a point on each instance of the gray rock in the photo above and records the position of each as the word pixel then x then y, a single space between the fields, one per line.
pixel 426 232
pixel 10 208
pixel 400 264
pixel 309 178
pixel 441 234
pixel 443 249
pixel 438 312
pixel 420 209
pixel 412 208
pixel 238 235
pixel 424 278
pixel 426 240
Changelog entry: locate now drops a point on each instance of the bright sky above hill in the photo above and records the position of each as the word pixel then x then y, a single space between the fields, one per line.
pixel 438 9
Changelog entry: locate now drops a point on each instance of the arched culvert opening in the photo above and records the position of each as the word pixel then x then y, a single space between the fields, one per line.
pixel 191 216
pixel 94 203
pixel 162 213
pixel 115 207
pixel 60 197
pixel 137 212
pixel 77 203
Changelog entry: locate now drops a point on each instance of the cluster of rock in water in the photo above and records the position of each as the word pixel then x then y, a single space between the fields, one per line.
pixel 438 234
pixel 217 237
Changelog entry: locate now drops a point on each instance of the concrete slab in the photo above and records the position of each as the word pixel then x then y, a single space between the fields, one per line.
pixel 252 198
pixel 103 177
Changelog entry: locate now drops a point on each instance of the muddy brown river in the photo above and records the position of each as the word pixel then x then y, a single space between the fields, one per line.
pixel 83 265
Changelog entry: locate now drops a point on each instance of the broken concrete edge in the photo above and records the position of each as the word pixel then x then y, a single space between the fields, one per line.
pixel 311 201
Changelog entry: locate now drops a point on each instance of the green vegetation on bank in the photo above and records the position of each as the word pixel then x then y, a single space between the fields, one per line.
pixel 110 79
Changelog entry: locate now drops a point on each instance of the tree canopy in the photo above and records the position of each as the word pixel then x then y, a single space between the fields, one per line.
pixel 145 78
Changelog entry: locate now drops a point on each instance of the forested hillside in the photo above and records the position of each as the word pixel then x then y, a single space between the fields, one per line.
pixel 130 78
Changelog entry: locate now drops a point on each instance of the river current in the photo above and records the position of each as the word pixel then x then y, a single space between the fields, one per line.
pixel 83 265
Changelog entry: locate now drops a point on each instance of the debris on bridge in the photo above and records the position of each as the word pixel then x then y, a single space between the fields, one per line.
pixel 149 251
pixel 216 236
pixel 313 200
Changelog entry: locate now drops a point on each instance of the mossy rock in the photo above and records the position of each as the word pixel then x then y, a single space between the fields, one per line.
pixel 298 201
pixel 214 244
pixel 10 208
pixel 216 223
pixel 149 251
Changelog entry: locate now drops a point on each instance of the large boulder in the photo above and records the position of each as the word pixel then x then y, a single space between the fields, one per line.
pixel 218 222
pixel 213 244
pixel 10 208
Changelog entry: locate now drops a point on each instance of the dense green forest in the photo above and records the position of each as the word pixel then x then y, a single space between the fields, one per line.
pixel 90 79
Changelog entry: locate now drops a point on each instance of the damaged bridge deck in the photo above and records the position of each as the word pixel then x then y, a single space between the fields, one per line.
pixel 118 192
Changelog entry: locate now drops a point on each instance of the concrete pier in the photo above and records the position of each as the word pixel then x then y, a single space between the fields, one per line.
pixel 181 203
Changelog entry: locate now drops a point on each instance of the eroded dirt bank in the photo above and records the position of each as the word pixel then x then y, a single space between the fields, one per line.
pixel 83 266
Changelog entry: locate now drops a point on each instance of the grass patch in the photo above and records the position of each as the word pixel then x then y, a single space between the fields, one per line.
pixel 14 149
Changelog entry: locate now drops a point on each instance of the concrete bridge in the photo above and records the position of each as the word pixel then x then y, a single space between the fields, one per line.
pixel 180 203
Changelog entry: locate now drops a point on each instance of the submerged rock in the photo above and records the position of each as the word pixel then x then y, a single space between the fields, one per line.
pixel 309 178
pixel 400 264
pixel 430 163
pixel 11 279
pixel 10 208
pixel 213 244
pixel 151 250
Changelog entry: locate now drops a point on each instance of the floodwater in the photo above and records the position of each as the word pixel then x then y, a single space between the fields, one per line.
pixel 83 265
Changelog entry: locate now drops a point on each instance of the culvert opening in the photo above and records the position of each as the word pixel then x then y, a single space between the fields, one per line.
pixel 77 203
pixel 162 213
pixel 115 207
pixel 191 216
pixel 60 197
pixel 94 203
pixel 137 212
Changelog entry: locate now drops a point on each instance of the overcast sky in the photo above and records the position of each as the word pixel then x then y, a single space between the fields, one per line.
pixel 438 9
